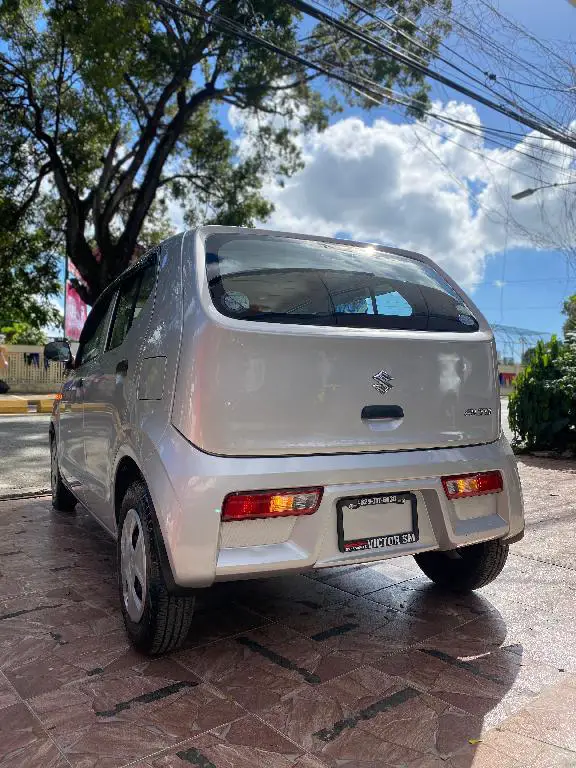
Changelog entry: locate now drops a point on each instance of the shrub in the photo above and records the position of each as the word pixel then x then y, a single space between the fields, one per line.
pixel 541 410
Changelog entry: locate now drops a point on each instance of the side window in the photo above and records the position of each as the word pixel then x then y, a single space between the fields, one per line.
pixel 147 284
pixel 134 293
pixel 92 336
pixel 124 311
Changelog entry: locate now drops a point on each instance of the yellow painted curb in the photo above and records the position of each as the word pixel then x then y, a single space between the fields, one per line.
pixel 14 406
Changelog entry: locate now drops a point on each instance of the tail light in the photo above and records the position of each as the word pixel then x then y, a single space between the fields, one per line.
pixel 479 484
pixel 259 504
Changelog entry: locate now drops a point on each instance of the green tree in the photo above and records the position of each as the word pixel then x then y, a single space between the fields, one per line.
pixel 569 309
pixel 119 105
pixel 29 272
pixel 23 333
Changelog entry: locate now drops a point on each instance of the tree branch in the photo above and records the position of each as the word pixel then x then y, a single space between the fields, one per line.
pixel 187 176
pixel 22 209
pixel 149 186
pixel 148 136
pixel 137 95
pixel 76 244
pixel 95 200
pixel 59 82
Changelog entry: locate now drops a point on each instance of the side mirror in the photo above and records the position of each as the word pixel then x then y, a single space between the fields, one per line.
pixel 59 352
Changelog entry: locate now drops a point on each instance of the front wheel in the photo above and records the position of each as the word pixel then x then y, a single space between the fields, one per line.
pixel 155 620
pixel 467 568
pixel 63 500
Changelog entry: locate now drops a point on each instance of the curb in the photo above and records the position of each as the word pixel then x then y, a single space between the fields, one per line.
pixel 29 406
pixel 26 495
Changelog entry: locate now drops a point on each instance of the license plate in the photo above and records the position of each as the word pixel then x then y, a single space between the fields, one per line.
pixel 376 522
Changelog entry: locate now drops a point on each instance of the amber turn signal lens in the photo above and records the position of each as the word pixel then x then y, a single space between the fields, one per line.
pixel 262 504
pixel 479 484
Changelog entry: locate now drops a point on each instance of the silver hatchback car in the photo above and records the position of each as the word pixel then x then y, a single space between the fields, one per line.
pixel 245 403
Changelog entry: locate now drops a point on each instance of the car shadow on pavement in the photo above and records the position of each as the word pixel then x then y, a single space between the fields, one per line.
pixel 405 673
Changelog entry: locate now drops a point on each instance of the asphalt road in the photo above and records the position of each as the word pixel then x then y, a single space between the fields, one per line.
pixel 24 454
pixel 25 458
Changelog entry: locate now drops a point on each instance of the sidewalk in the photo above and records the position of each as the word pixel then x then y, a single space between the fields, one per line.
pixel 19 404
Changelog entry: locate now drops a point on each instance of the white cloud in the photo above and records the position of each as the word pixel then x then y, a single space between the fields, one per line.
pixel 425 187
pixel 401 185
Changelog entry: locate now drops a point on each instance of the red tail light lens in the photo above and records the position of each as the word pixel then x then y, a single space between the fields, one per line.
pixel 479 484
pixel 259 504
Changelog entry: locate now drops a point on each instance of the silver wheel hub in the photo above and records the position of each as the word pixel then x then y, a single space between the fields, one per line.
pixel 133 565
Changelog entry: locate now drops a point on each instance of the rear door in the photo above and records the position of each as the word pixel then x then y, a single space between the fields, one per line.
pixel 110 391
pixel 325 347
pixel 72 457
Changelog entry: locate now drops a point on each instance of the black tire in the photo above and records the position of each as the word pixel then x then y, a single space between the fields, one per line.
pixel 467 568
pixel 63 500
pixel 166 618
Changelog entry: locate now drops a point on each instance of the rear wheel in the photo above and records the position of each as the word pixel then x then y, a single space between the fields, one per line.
pixel 467 568
pixel 63 500
pixel 156 621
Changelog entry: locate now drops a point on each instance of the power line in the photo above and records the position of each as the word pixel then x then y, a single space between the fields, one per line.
pixel 375 92
pixel 523 63
pixel 453 20
pixel 228 26
pixel 525 32
pixel 232 27
pixel 488 76
pixel 305 7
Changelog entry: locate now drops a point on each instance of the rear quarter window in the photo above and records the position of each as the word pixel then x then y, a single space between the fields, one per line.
pixel 286 280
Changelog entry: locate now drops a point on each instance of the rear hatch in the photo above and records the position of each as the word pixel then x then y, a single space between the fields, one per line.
pixel 315 346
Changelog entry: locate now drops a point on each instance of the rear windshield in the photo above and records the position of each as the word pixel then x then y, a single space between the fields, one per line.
pixel 275 279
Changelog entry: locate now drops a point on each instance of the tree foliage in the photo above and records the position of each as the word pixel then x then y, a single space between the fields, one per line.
pixel 29 271
pixel 23 333
pixel 118 108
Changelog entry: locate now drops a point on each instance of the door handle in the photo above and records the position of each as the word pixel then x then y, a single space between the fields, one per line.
pixel 373 412
pixel 122 367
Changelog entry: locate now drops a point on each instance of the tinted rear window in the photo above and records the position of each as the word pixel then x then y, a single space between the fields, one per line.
pixel 284 280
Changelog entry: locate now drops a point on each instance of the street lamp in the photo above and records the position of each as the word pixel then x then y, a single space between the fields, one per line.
pixel 527 192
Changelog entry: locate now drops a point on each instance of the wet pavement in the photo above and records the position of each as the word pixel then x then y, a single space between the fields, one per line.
pixel 362 667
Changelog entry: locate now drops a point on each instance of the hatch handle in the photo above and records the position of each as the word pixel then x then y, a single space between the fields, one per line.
pixel 373 412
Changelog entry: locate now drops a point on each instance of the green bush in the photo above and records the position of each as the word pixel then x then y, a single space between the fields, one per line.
pixel 541 409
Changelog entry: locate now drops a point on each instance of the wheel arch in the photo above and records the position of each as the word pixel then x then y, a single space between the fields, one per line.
pixel 128 471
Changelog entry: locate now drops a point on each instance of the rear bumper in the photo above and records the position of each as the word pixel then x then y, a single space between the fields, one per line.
pixel 188 488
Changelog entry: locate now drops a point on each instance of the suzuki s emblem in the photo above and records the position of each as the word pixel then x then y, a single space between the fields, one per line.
pixel 383 382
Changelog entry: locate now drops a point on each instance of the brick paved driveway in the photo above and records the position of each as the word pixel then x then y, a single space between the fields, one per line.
pixel 363 667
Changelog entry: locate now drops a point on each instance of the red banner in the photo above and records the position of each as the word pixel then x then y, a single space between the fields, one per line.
pixel 76 310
